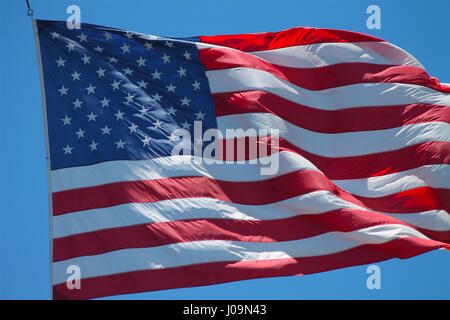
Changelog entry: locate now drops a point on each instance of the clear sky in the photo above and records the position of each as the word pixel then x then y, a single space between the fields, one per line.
pixel 420 27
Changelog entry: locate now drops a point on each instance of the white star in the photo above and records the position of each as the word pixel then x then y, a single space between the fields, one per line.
pixel 141 61
pixel 166 58
pixel 80 133
pixel 83 37
pixel 105 102
pixel 132 128
pixel 98 49
pixel 75 75
pixel 86 59
pixel 125 48
pixel 156 74
pixel 171 111
pixel 143 111
pixel 157 97
pixel 67 149
pixel 60 62
pixel 106 130
pixel 169 44
pixel 77 104
pixel 187 55
pixel 101 72
pixel 128 34
pixel 181 72
pixel 115 85
pixel 171 88
pixel 129 97
pixel 119 144
pixel 119 115
pixel 93 145
pixel 173 137
pixel 92 117
pixel 196 85
pixel 54 35
pixel 63 91
pixel 66 120
pixel 146 141
pixel 128 71
pixel 186 125
pixel 90 89
pixel 112 60
pixel 142 84
pixel 157 124
pixel 185 101
pixel 200 115
pixel 71 46
pixel 107 35
pixel 149 46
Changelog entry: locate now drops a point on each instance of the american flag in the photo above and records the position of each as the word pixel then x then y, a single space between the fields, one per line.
pixel 363 148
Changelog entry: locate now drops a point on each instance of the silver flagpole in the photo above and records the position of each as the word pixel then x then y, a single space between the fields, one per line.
pixel 47 148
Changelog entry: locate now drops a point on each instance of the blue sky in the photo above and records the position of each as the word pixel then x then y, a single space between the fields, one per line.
pixel 420 27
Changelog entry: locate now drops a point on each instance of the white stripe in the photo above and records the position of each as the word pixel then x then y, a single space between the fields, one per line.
pixel 170 167
pixel 188 253
pixel 436 220
pixel 345 144
pixel 338 98
pixel 433 176
pixel 317 202
pixel 329 53
pixel 193 208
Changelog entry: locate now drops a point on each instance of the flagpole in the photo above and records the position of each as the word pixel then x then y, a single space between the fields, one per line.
pixel 47 148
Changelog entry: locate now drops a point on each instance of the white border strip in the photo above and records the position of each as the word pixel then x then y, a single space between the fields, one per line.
pixel 47 150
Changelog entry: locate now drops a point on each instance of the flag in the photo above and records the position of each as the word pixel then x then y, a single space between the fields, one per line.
pixel 338 155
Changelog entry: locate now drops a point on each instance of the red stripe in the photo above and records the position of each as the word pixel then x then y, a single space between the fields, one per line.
pixel 416 200
pixel 320 78
pixel 221 272
pixel 157 234
pixel 328 121
pixel 250 193
pixel 286 38
pixel 356 167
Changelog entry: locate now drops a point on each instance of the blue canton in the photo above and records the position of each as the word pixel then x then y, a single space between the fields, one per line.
pixel 118 95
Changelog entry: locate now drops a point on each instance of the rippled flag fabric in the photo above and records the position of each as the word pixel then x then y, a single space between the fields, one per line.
pixel 363 156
